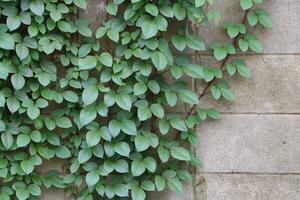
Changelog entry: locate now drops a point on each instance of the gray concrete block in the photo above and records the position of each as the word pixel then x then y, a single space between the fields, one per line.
pixel 188 194
pixel 95 13
pixel 273 88
pixel 52 164
pixel 250 187
pixel 54 194
pixel 250 143
pixel 284 36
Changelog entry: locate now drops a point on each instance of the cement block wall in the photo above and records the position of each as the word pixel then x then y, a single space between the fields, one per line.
pixel 253 152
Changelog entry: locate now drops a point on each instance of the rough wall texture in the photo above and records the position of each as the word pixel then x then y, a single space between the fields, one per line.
pixel 253 152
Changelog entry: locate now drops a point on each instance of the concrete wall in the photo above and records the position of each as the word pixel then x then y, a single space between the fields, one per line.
pixel 253 152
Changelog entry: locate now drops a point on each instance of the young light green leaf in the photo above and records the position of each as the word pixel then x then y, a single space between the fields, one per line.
pixel 180 153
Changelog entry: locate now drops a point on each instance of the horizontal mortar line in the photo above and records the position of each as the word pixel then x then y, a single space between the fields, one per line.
pixel 264 54
pixel 262 113
pixel 251 113
pixel 249 173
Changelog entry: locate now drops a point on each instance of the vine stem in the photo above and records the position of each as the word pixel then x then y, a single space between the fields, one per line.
pixel 204 91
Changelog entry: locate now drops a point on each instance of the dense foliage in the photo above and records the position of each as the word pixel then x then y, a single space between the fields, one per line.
pixel 122 119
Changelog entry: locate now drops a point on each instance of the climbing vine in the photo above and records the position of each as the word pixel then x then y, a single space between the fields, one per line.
pixel 121 119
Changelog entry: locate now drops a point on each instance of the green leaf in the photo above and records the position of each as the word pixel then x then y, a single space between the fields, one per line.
pixel 121 190
pixel 149 29
pixel 102 109
pixel 175 185
pixel 151 9
pixel 113 35
pixel 159 60
pixel 148 186
pixel 228 94
pixel 242 69
pixel 84 155
pixel 34 190
pixel 37 7
pixel 144 113
pixel 88 62
pixel 137 168
pixel 178 124
pixel 160 183
pixel 22 51
pixel 17 81
pixel 122 148
pixel 138 194
pixel 87 115
pixel 194 71
pixel 142 143
pixel 100 32
pixel 121 166
pixel 114 127
pixel 92 178
pixel 33 112
pixel 139 88
pixel 194 42
pixel 4 196
pixel 171 98
pixel 178 42
pixel 70 96
pixel 22 193
pixel 7 140
pixel 129 127
pixel 180 153
pixel 220 53
pixel 92 138
pixel 213 113
pixel 157 110
pixel 27 166
pixel 12 104
pixel 252 18
pixel 23 140
pixel 90 94
pixel 179 11
pixel 124 101
pixel 112 8
pixel 246 4
pixel 164 126
pixel 163 153
pixel 199 3
pixel 63 122
pixel 255 46
pixel 244 46
pixel 216 92
pixel 2 100
pixel 13 22
pixel 106 59
pixel 188 96
pixel 63 152
pixel 81 3
pixel 6 41
pixel 35 136
pixel 150 164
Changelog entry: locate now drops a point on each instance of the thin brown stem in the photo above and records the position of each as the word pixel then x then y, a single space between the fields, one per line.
pixel 223 65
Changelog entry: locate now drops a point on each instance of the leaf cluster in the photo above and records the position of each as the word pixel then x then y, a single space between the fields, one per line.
pixel 122 120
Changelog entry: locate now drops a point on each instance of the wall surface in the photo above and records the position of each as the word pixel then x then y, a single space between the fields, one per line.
pixel 253 152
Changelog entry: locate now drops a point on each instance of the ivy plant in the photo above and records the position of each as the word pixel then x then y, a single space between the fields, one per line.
pixel 122 120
